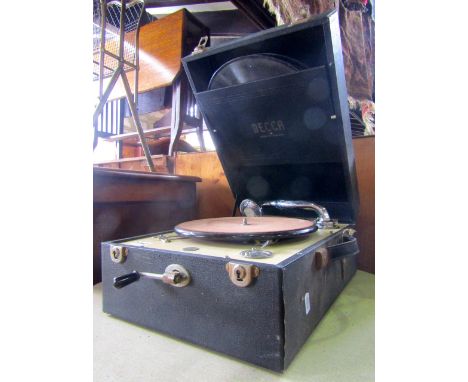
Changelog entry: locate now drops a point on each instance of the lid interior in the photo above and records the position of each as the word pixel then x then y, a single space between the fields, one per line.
pixel 286 137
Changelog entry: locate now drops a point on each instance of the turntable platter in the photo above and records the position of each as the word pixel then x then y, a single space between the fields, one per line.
pixel 246 228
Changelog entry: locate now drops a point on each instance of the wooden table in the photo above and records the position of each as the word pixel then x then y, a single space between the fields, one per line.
pixel 340 349
pixel 130 203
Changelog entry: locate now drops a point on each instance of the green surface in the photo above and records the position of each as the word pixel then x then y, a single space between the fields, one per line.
pixel 340 349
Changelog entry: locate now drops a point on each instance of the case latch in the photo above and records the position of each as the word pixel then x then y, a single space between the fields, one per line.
pixel 118 254
pixel 200 48
pixel 242 275
pixel 322 258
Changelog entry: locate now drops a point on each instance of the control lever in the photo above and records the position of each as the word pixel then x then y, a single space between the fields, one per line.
pixel 124 280
pixel 174 274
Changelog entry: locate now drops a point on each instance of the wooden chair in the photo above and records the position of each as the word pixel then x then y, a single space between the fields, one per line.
pixel 163 43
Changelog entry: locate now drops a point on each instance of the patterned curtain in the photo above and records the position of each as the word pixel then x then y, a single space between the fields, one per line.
pixel 357 39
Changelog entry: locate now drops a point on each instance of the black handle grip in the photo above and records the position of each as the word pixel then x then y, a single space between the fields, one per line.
pixel 349 247
pixel 124 280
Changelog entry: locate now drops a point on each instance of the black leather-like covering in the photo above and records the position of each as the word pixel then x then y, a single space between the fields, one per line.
pixel 301 281
pixel 211 311
pixel 265 323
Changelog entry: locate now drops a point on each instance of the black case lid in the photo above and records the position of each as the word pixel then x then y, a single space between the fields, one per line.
pixel 286 137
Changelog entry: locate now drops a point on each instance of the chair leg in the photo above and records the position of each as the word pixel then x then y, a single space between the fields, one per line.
pixel 201 140
pixel 179 101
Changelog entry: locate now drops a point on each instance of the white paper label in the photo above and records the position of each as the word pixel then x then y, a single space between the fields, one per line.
pixel 307 303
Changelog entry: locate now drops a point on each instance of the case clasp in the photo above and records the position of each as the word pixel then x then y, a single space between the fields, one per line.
pixel 118 254
pixel 242 275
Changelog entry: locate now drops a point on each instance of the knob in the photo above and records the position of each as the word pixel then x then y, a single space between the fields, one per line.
pixel 124 280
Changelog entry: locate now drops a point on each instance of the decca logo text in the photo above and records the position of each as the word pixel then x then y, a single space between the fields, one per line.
pixel 268 127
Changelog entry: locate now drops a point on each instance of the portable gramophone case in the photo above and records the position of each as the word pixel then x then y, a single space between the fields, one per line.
pixel 275 103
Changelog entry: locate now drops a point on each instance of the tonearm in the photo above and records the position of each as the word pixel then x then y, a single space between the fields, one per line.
pixel 250 208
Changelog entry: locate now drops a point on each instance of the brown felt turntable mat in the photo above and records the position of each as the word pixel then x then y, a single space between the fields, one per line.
pixel 235 225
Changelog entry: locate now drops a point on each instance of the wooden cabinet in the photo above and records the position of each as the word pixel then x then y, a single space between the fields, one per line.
pixel 364 151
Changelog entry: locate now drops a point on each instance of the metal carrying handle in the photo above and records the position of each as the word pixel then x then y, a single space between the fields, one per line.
pixel 175 275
